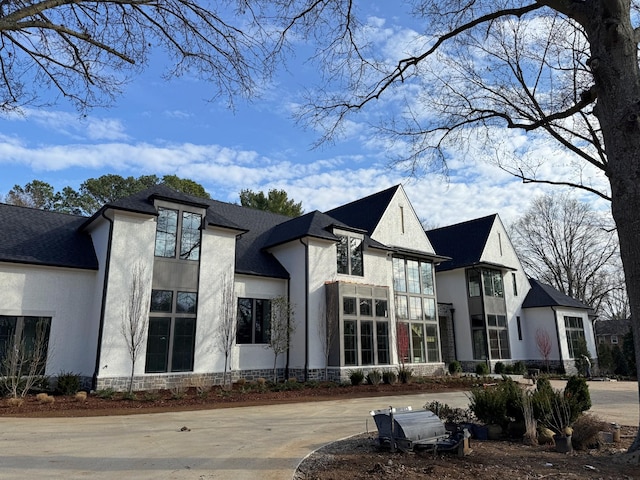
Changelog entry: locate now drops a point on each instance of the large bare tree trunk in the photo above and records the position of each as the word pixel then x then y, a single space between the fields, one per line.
pixel 614 63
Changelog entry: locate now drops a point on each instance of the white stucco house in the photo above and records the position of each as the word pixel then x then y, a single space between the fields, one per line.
pixel 494 312
pixel 369 289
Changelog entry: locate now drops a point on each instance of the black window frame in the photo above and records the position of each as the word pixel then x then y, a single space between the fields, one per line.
pixel 253 321
pixel 350 255
pixel 169 349
pixel 185 234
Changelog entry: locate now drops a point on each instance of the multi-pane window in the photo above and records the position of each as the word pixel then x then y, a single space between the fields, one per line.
pixel 27 338
pixel 498 337
pixel 366 330
pixel 169 223
pixel 254 321
pixel 172 331
pixel 418 340
pixel 575 334
pixel 491 280
pixel 350 261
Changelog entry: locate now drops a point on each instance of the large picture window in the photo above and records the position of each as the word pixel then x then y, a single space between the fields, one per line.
pixel 575 334
pixel 254 321
pixel 418 339
pixel 365 330
pixel 350 261
pixel 172 332
pixel 28 337
pixel 169 223
pixel 491 281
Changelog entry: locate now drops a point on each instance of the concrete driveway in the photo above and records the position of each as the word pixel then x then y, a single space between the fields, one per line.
pixel 237 443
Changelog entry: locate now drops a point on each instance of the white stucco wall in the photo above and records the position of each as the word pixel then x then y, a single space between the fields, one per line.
pixel 132 244
pixel 68 297
pixel 400 226
pixel 260 356
pixel 542 319
pixel 217 261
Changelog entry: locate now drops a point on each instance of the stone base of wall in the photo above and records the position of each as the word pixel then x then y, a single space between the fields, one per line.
pixel 187 379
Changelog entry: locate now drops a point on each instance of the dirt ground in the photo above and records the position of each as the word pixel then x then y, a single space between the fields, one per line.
pixel 359 458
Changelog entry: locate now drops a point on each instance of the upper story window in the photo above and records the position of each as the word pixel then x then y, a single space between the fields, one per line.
pixel 413 276
pixel 491 280
pixel 170 222
pixel 350 256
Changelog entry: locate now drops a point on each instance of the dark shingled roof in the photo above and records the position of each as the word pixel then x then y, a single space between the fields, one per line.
pixel 463 242
pixel 42 237
pixel 365 213
pixel 543 295
pixel 313 224
pixel 618 326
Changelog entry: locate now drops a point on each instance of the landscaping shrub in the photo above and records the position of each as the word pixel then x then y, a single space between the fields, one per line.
pixel 577 393
pixel 482 369
pixel 106 393
pixel 512 393
pixel 455 367
pixel 68 383
pixel 499 368
pixel 374 377
pixel 489 405
pixel 389 378
pixel 586 431
pixel 129 396
pixel 404 374
pixel 519 368
pixel 356 377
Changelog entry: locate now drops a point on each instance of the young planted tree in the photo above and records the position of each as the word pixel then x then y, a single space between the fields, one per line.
pixel 135 316
pixel 543 342
pixel 281 330
pixel 227 327
pixel 328 327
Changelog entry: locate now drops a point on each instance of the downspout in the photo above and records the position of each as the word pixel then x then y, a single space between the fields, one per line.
pixel 286 367
pixel 306 310
pixel 104 301
pixel 555 317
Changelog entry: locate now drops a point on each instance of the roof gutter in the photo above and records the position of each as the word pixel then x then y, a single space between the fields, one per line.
pixel 104 301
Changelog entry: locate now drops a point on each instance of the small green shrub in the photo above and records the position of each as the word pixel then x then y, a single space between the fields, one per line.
pixel 356 377
pixel 389 378
pixel 404 374
pixel 577 393
pixel 482 369
pixel 129 396
pixel 500 368
pixel 106 393
pixel 455 367
pixel 151 396
pixel 488 405
pixel 68 383
pixel 519 368
pixel 374 377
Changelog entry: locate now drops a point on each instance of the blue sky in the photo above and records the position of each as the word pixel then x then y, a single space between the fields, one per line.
pixel 159 127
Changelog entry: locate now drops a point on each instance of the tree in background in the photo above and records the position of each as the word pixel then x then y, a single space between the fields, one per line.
pixel 564 243
pixel 94 192
pixel 276 201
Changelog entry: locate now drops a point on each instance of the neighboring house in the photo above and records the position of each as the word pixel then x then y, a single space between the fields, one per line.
pixel 361 279
pixel 612 332
pixel 493 311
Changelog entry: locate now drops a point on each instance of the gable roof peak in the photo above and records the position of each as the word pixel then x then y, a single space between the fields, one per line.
pixel 365 213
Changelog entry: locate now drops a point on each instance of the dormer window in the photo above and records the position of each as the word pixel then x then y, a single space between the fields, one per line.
pixel 350 256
